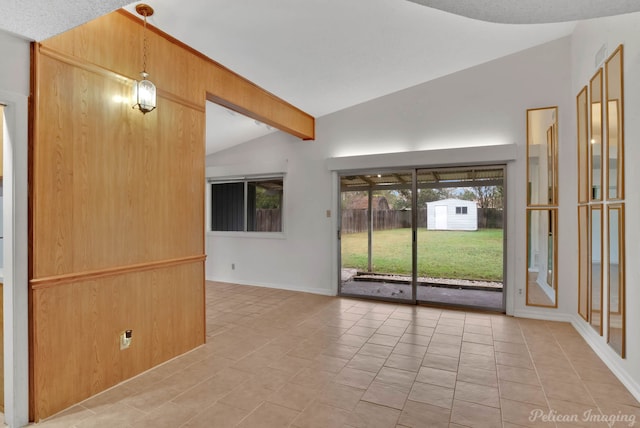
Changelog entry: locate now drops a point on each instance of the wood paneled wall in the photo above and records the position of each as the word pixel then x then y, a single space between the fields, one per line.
pixel 117 204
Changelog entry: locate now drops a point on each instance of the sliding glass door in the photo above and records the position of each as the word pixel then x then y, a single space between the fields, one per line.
pixel 376 235
pixel 424 235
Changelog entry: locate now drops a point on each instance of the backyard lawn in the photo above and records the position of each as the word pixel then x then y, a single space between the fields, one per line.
pixel 441 254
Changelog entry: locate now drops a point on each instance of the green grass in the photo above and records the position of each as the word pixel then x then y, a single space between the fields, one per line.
pixel 441 254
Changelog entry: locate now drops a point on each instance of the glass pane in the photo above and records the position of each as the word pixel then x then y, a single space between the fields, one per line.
pixel 596 136
pixel 583 260
pixel 583 146
pixel 460 236
pixel 614 125
pixel 616 336
pixel 264 205
pixel 227 207
pixel 376 235
pixel 541 257
pixel 542 156
pixel 595 315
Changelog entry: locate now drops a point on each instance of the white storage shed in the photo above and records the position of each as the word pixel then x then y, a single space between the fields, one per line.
pixel 452 214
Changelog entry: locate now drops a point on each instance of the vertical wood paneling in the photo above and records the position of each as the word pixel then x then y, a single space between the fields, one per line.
pixel 159 306
pixel 116 197
pixel 177 70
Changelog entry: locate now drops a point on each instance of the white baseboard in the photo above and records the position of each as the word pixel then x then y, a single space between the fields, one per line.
pixel 606 354
pixel 538 315
pixel 320 291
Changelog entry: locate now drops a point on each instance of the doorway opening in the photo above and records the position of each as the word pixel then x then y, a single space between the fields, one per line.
pixel 424 235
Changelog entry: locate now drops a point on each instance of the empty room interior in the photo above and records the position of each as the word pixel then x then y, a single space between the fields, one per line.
pixel 388 213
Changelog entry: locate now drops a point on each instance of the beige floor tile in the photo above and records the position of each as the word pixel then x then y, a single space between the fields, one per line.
pixel 328 363
pixel 486 362
pixel 319 415
pixel 420 330
pixel 410 349
pixel 620 415
pixel 416 339
pixel 269 415
pixel 611 393
pixel 67 418
pixel 561 390
pixel 444 349
pixel 384 394
pixel 514 360
pixel 477 348
pixel 510 347
pixel 440 362
pixel 475 415
pixel 576 415
pixel 403 362
pixel 479 394
pixel 391 330
pixel 363 331
pixel 313 378
pixel 119 415
pixel 340 396
pixel 421 415
pixel 272 379
pixel 432 394
pixel 168 415
pixel 352 340
pixel 397 377
pixel 384 339
pixel 485 339
pixel 470 327
pixel 293 396
pixel 393 321
pixel 475 375
pixel 525 414
pixel 447 339
pixel 246 396
pixel 532 394
pixel 438 377
pixel 151 398
pixel 519 375
pixel 443 328
pixel 367 363
pixel 211 390
pixel 376 350
pixel 290 364
pixel 369 415
pixel 356 378
pixel 341 351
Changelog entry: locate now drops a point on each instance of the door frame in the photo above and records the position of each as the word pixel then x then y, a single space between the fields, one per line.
pixel 414 228
pixel 15 272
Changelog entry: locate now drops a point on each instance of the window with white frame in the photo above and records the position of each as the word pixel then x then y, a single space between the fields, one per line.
pixel 461 210
pixel 251 205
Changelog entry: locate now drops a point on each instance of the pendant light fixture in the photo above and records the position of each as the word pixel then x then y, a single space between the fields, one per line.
pixel 144 91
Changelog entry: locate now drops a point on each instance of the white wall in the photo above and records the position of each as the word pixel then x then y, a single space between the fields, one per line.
pixel 484 105
pixel 587 39
pixel 14 92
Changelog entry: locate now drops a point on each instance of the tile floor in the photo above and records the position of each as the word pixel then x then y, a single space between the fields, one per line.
pixel 276 358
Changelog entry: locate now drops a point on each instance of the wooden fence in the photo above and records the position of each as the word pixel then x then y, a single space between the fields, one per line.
pixel 357 220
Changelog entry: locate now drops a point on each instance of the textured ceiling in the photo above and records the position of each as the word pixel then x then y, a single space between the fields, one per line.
pixel 320 55
pixel 533 11
pixel 41 19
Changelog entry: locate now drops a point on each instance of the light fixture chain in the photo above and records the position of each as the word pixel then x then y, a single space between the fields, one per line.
pixel 144 45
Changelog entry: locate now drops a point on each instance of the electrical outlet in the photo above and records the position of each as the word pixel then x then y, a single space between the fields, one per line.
pixel 520 291
pixel 125 339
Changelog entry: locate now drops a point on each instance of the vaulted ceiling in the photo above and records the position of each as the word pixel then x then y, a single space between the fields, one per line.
pixel 327 55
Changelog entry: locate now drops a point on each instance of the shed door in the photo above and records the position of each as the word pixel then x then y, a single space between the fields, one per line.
pixel 440 213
